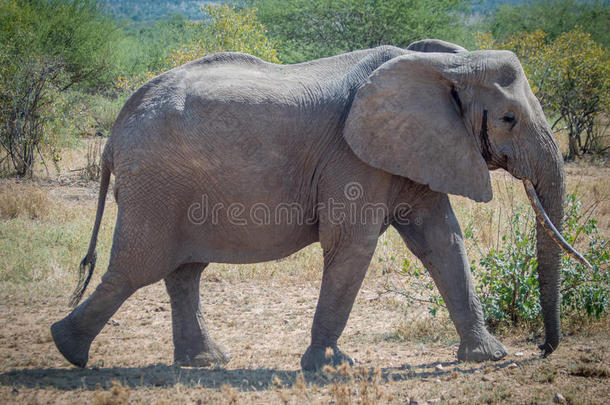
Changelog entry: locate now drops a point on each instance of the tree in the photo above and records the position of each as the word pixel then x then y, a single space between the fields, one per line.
pixel 578 87
pixel 46 47
pixel 570 75
pixel 145 46
pixel 222 29
pixel 554 17
pixel 225 29
pixel 309 29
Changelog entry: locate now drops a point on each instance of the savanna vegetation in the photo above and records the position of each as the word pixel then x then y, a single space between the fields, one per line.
pixel 66 68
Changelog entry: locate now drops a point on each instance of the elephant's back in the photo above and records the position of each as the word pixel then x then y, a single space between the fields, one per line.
pixel 237 117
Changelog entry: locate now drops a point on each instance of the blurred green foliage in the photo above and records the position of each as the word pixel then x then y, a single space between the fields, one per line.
pixel 142 12
pixel 310 29
pixel 47 48
pixel 221 29
pixel 75 36
pixel 553 17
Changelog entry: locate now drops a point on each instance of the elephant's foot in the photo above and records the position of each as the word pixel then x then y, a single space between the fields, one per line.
pixel 73 346
pixel 315 358
pixel 214 355
pixel 483 347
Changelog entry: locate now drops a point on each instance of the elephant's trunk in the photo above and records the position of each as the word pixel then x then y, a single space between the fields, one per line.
pixel 548 186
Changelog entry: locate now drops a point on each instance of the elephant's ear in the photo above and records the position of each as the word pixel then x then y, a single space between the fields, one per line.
pixel 407 119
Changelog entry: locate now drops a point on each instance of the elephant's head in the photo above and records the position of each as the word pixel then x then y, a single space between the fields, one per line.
pixel 444 119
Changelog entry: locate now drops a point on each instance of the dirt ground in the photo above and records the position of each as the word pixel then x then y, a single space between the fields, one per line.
pixel 264 322
pixel 265 326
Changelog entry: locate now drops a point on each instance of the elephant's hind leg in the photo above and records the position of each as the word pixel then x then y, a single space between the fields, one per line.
pixel 138 258
pixel 193 345
pixel 73 334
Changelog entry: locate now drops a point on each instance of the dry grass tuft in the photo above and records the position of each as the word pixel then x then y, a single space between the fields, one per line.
pixel 118 395
pixel 584 326
pixel 590 370
pixel 93 165
pixel 23 200
pixel 360 385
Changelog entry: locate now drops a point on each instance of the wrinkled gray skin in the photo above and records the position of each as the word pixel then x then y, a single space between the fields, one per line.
pixel 386 126
pixel 435 45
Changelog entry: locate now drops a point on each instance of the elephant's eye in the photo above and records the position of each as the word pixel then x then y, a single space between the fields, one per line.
pixel 509 117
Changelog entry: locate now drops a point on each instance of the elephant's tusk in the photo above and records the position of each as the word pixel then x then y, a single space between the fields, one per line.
pixel 548 226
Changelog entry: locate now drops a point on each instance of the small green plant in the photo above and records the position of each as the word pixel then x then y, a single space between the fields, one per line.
pixel 508 280
pixel 585 290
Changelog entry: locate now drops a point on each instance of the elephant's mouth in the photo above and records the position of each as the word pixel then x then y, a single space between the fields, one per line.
pixel 548 226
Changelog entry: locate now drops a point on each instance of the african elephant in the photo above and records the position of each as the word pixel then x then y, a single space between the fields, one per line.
pixel 435 45
pixel 231 159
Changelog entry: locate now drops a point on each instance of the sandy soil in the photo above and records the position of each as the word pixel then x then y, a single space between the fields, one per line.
pixel 265 326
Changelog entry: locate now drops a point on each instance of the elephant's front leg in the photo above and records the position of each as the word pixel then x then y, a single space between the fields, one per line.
pixel 345 266
pixel 434 236
pixel 193 345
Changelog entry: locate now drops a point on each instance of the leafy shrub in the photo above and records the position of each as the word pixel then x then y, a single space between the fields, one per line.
pixel 507 276
pixel 508 280
pixel 310 29
pixel 222 29
pixel 583 288
pixel 46 48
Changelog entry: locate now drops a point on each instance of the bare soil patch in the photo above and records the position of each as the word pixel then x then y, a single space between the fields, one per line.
pixel 266 325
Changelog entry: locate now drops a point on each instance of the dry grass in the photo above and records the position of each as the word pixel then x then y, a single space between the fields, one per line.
pixel 23 199
pixel 425 329
pixel 263 313
pixel 44 232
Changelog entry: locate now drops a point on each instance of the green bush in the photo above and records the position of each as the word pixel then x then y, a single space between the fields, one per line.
pixel 508 279
pixel 309 29
pixel 221 29
pixel 553 17
pixel 47 48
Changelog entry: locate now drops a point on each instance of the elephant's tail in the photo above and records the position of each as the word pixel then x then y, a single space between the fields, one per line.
pixel 85 270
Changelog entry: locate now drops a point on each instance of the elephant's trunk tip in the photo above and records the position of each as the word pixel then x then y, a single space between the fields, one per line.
pixel 547 348
pixel 85 271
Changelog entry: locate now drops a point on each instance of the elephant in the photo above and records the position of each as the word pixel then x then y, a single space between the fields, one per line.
pixel 231 159
pixel 435 45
